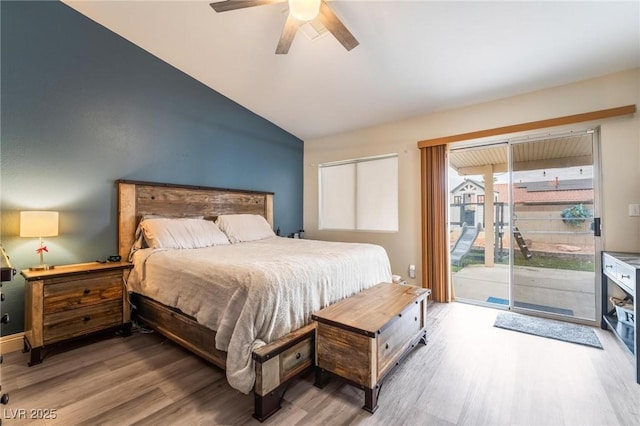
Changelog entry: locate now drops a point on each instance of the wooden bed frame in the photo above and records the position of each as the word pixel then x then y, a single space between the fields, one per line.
pixel 277 363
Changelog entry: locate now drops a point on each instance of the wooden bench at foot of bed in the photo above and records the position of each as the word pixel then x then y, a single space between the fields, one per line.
pixel 276 364
pixel 362 338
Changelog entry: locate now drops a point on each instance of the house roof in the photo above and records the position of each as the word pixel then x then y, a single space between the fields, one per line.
pixel 414 57
pixel 521 195
pixel 557 185
pixel 467 182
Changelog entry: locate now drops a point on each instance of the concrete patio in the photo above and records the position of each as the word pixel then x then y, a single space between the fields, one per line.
pixel 553 288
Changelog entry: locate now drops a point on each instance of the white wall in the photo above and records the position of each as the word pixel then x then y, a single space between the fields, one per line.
pixel 620 138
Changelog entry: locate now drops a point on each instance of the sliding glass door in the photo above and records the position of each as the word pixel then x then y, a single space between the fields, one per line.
pixel 479 214
pixel 522 223
pixel 554 206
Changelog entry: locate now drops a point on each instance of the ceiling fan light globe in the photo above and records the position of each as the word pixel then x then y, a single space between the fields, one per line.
pixel 304 10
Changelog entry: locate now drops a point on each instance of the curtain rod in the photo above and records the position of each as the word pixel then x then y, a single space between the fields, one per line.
pixel 532 125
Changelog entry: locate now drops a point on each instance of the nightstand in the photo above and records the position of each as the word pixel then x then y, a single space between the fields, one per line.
pixel 72 301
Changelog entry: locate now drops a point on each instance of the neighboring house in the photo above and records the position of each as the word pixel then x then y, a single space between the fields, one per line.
pixel 551 192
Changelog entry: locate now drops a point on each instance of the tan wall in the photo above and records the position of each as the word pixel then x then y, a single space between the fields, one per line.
pixel 620 158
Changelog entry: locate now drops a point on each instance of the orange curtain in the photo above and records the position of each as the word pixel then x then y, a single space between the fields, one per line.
pixel 435 244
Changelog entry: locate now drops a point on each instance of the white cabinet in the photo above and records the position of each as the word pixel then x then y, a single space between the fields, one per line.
pixel 622 271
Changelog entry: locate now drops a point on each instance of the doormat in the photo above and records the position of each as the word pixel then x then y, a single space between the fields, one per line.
pixel 567 332
pixel 532 306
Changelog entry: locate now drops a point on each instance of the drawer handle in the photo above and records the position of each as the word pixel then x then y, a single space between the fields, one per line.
pixel 298 355
pixel 87 318
pixel 625 276
pixel 86 291
pixel 608 266
pixel 415 318
pixel 386 346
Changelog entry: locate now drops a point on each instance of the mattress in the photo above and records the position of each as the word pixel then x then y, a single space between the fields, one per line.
pixel 253 293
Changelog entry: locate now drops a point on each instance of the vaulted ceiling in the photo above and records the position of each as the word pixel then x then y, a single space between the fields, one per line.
pixel 414 57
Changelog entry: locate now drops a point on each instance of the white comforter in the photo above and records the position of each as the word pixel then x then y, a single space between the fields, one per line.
pixel 253 293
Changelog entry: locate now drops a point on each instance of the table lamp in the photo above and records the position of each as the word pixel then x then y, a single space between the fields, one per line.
pixel 39 224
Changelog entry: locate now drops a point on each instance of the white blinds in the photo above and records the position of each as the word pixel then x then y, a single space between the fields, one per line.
pixel 338 197
pixel 360 194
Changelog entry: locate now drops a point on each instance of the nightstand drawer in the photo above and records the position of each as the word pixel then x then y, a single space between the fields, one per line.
pixel 77 322
pixel 92 290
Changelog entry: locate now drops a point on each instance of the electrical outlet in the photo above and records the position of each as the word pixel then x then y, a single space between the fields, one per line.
pixel 412 271
pixel 634 210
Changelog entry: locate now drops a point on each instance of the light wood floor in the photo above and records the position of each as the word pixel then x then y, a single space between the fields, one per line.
pixel 470 373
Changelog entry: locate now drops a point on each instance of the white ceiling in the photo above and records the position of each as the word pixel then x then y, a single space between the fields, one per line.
pixel 414 57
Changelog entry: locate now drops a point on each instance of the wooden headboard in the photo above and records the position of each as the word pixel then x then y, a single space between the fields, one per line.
pixel 137 199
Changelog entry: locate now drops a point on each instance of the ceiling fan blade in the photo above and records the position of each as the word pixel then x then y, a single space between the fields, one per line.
pixel 335 26
pixel 288 33
pixel 227 5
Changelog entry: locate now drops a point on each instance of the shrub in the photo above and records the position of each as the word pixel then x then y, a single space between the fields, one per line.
pixel 575 215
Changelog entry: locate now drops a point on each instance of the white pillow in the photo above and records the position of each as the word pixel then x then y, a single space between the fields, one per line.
pixel 245 227
pixel 182 233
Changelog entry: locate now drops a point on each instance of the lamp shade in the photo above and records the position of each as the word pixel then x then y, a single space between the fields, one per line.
pixel 38 224
pixel 304 10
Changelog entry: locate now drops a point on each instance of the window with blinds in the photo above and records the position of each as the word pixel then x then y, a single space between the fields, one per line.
pixel 360 194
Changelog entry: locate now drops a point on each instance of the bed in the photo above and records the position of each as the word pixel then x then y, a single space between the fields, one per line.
pixel 246 306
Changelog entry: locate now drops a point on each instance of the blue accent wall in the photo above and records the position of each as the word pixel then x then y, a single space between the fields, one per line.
pixel 83 107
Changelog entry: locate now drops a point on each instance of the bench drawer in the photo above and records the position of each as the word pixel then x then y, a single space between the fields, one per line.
pixel 296 359
pixel 396 338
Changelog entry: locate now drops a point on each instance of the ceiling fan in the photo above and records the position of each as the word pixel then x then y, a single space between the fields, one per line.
pixel 300 12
